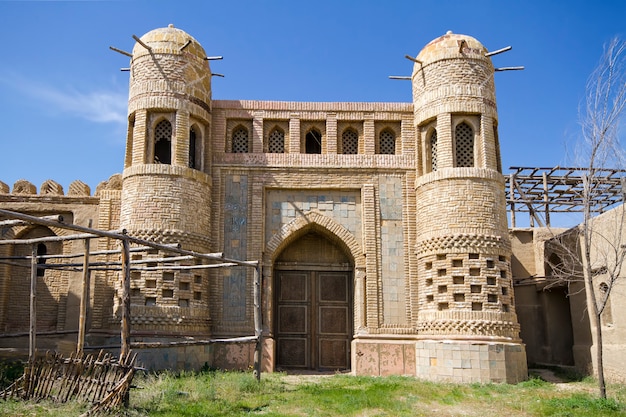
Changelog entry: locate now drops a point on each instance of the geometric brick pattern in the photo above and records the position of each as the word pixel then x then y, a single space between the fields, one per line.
pixel 461 241
pixel 469 328
pixel 429 254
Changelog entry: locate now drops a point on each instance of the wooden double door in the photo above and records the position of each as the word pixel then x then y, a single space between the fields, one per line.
pixel 313 320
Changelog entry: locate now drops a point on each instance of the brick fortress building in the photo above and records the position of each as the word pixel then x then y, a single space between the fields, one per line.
pixel 381 227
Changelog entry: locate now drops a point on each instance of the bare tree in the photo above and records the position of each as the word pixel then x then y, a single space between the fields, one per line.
pixel 593 253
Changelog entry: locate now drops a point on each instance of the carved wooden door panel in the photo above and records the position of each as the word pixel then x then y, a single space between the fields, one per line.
pixel 314 323
pixel 334 322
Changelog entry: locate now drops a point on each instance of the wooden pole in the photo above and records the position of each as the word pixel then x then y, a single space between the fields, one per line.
pixel 512 194
pixel 33 304
pixel 546 198
pixel 499 51
pixel 140 42
pixel 125 336
pixel 258 323
pixel 84 300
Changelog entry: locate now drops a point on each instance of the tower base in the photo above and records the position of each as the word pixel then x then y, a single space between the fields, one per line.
pixel 471 361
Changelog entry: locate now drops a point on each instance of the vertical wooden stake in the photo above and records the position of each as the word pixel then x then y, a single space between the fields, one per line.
pixel 512 194
pixel 258 323
pixel 33 303
pixel 125 299
pixel 84 300
pixel 546 198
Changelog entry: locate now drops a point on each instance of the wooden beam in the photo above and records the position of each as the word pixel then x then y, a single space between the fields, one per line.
pixel 499 51
pixel 140 42
pixel 32 339
pixel 125 335
pixel 119 236
pixel 7 223
pixel 258 324
pixel 120 51
pixel 46 239
pixel 84 300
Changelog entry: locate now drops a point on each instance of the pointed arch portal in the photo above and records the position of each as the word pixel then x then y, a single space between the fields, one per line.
pixel 313 293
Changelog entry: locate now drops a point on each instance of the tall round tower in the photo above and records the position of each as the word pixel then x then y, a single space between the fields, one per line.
pixel 465 293
pixel 166 187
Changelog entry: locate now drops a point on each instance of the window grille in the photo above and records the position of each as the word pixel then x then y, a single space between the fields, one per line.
pixel 276 142
pixel 387 143
pixel 313 142
pixel 464 145
pixel 163 142
pixel 350 142
pixel 240 140
pixel 433 150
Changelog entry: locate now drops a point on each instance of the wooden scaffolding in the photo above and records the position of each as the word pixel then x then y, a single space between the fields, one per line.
pixel 126 265
pixel 542 191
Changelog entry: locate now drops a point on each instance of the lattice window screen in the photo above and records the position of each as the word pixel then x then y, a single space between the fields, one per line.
pixel 163 131
pixel 276 142
pixel 387 143
pixel 433 150
pixel 162 142
pixel 240 140
pixel 350 142
pixel 464 145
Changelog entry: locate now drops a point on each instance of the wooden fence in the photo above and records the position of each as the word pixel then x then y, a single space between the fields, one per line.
pixel 100 380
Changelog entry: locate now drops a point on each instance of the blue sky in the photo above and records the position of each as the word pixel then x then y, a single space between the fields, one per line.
pixel 63 96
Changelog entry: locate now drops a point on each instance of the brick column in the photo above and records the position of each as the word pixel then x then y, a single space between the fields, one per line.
pixel 369 135
pixel 257 132
pixel 180 146
pixel 294 133
pixel 331 133
pixel 489 154
pixel 140 139
pixel 371 252
pixel 445 141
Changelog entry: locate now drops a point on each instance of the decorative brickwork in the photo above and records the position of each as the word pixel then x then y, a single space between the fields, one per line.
pixel 401 203
pixel 24 187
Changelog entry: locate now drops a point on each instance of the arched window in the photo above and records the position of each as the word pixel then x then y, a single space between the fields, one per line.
pixel 313 142
pixel 464 136
pixel 387 142
pixel 240 140
pixel 163 143
pixel 276 141
pixel 192 147
pixel 350 142
pixel 433 150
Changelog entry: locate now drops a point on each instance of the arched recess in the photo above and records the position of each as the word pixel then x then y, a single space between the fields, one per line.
pixel 313 221
pixel 52 284
pixel 312 288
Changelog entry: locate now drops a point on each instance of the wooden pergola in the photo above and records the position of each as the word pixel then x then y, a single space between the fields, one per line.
pixel 213 260
pixel 541 191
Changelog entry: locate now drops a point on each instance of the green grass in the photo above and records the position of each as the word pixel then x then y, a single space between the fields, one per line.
pixel 239 394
